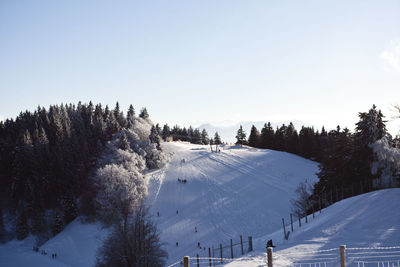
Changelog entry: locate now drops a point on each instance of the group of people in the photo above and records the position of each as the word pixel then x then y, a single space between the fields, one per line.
pixel 183 181
pixel 43 252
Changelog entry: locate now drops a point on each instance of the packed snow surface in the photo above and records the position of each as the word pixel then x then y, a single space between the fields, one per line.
pixel 239 191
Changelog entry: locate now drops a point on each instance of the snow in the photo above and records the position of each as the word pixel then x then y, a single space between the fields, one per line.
pixel 239 191
pixel 367 221
pixel 76 245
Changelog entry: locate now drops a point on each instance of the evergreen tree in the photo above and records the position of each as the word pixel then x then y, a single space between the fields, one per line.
pixel 217 139
pixel 166 131
pixel 144 114
pixel 267 136
pixel 21 225
pixel 154 137
pixel 254 137
pixel 130 116
pixel 241 136
pixel 204 137
pixel 370 128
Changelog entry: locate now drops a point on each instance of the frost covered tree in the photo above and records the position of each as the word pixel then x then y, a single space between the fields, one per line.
pixel 154 137
pixel 370 128
pixel 386 164
pixel 118 192
pixel 144 114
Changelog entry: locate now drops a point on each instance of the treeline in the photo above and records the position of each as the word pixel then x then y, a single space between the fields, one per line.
pixel 307 143
pixel 370 156
pixel 190 134
pixel 47 157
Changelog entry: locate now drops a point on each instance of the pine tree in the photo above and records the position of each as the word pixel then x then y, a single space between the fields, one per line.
pixel 21 225
pixel 217 139
pixel 130 116
pixel 370 128
pixel 144 114
pixel 204 137
pixel 154 137
pixel 267 136
pixel 241 136
pixel 166 131
pixel 254 137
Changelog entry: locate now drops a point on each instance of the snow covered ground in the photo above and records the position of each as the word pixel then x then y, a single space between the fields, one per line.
pixel 367 221
pixel 239 191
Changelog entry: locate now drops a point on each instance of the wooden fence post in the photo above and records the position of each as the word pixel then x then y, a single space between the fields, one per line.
pixel 250 243
pixel 298 215
pixel 291 222
pixel 241 244
pixel 198 261
pixel 306 218
pixel 231 249
pixel 186 261
pixel 269 253
pixel 320 208
pixel 209 256
pixel 220 251
pixel 284 228
pixel 343 256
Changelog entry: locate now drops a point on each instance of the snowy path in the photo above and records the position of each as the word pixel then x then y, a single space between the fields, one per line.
pixel 239 191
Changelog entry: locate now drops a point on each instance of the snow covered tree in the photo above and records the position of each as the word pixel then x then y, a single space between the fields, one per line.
pixel 241 136
pixel 370 128
pixel 21 225
pixel 118 192
pixel 130 117
pixel 386 163
pixel 154 138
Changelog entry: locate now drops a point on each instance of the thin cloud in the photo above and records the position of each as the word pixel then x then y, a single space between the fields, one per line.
pixel 391 56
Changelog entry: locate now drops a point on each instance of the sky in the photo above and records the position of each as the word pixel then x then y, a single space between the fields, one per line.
pixel 194 62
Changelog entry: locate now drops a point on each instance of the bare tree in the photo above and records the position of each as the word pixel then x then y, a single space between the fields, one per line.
pixel 133 243
pixel 303 202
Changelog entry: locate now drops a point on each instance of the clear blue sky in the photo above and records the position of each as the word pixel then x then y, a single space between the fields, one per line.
pixel 320 62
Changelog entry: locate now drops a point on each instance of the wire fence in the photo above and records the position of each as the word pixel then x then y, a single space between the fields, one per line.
pixel 352 256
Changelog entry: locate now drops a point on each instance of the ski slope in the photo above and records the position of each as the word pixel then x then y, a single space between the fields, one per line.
pixel 366 221
pixel 239 191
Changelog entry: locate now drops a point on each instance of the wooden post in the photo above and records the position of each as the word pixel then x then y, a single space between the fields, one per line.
pixel 209 255
pixel 186 261
pixel 343 256
pixel 291 222
pixel 319 201
pixel 298 215
pixel 198 261
pixel 306 218
pixel 313 211
pixel 231 249
pixel 241 244
pixel 269 253
pixel 284 228
pixel 220 251
pixel 250 243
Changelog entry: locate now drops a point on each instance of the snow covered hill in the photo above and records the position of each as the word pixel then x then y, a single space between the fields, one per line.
pixel 363 222
pixel 239 191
